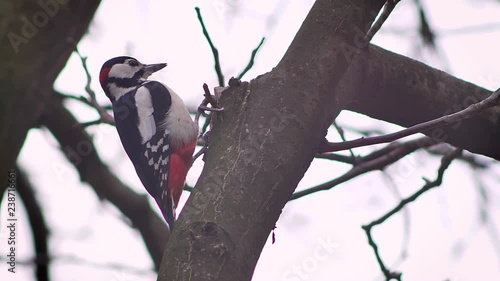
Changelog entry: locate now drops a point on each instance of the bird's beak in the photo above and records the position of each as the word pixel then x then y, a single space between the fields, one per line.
pixel 151 68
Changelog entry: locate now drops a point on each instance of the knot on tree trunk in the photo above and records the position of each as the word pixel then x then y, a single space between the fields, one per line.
pixel 209 239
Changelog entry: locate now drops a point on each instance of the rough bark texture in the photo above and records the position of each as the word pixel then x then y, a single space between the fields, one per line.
pixel 80 151
pixel 262 147
pixel 34 47
pixel 406 92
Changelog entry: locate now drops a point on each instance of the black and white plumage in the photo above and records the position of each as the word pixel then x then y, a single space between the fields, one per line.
pixel 155 129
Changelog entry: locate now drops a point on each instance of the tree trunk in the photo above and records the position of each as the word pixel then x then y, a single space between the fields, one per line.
pixel 261 147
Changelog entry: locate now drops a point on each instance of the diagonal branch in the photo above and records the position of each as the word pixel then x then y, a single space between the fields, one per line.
pixel 445 163
pixel 384 15
pixel 491 101
pixel 105 117
pixel 252 59
pixel 376 160
pixel 338 158
pixel 215 52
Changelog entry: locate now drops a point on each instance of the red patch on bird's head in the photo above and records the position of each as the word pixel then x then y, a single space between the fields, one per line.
pixel 104 74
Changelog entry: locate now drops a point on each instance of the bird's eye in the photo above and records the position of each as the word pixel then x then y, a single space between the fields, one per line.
pixel 133 63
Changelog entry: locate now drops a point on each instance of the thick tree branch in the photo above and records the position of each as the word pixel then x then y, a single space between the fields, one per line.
pixel 473 109
pixel 406 92
pixel 80 151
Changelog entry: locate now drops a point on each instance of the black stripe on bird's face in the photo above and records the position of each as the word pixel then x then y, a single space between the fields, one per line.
pixel 120 75
pixel 133 81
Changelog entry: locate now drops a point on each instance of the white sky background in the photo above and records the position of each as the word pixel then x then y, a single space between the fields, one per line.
pixel 87 234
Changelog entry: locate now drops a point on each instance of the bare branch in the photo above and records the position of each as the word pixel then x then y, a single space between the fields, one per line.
pixel 80 261
pixel 406 219
pixel 376 160
pixel 105 117
pixel 470 111
pixel 467 157
pixel 425 31
pixel 337 157
pixel 386 12
pixel 215 52
pixel 485 215
pixel 340 131
pixel 445 163
pixel 77 98
pixel 363 132
pixel 252 59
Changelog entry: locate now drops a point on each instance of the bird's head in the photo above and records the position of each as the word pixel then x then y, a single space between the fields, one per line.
pixel 121 74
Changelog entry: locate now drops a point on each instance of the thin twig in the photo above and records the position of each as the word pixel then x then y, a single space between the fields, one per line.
pixel 406 219
pixel 337 157
pixel 396 152
pixel 208 99
pixel 208 96
pixel 445 163
pixel 204 128
pixel 425 31
pixel 340 131
pixel 467 157
pixel 386 12
pixel 92 123
pixel 83 262
pixel 470 111
pixel 485 215
pixel 77 98
pixel 105 117
pixel 252 59
pixel 215 52
pixel 363 132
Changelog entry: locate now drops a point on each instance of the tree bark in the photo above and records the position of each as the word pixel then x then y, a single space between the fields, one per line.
pixel 36 42
pixel 397 89
pixel 261 147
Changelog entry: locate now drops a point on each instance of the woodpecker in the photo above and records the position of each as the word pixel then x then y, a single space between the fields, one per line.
pixel 154 126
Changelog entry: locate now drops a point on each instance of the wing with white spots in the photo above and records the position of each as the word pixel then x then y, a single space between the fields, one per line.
pixel 156 159
pixel 153 102
pixel 140 117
